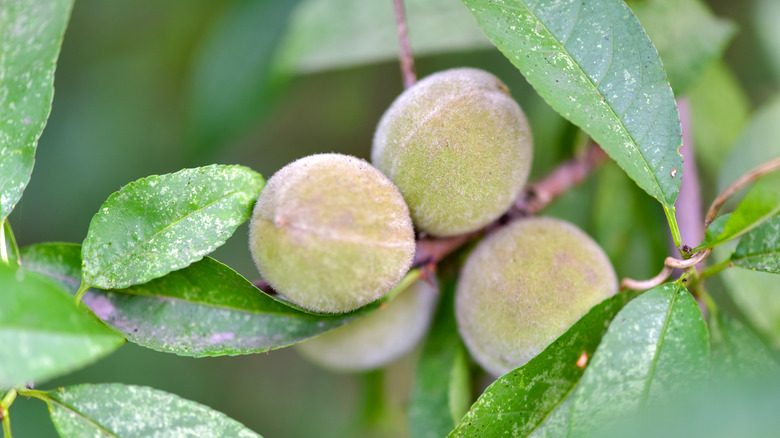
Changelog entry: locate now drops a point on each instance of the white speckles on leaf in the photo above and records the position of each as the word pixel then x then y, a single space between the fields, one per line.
pixel 162 223
pixel 135 412
pixel 30 37
pixel 532 397
pixel 603 54
pixel 759 250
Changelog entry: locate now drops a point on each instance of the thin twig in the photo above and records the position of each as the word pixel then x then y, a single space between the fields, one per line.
pixel 699 257
pixel 532 200
pixel 629 283
pixel 670 264
pixel 405 52
pixel 737 185
pixel 682 264
pixel 432 250
pixel 540 194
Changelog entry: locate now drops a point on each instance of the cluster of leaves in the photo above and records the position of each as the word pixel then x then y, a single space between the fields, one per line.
pixel 142 275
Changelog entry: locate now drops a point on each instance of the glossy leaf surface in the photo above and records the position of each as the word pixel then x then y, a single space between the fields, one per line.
pixel 594 64
pixel 761 203
pixel 522 399
pixel 31 33
pixel 759 249
pixel 162 223
pixel 656 346
pixel 206 309
pixel 127 411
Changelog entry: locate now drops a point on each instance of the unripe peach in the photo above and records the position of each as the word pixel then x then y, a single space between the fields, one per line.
pixel 380 337
pixel 525 285
pixel 458 148
pixel 331 233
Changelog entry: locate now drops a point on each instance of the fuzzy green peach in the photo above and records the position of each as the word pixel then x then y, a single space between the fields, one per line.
pixel 525 285
pixel 379 338
pixel 458 147
pixel 331 233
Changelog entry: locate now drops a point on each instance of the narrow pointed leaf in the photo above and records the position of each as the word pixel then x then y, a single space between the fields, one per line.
pixel 760 204
pixel 43 334
pixel 737 351
pixel 441 391
pixel 127 411
pixel 522 399
pixel 594 64
pixel 759 249
pixel 30 37
pixel 162 223
pixel 206 309
pixel 656 346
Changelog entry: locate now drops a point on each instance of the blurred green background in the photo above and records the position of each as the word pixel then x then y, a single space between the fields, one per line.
pixel 149 87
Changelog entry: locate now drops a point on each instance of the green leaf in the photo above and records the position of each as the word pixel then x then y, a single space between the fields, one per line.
pixel 687 35
pixel 57 260
pixel 758 143
pixel 441 391
pixel 206 309
pixel 522 399
pixel 234 82
pixel 117 410
pixel 30 37
pixel 761 203
pixel 328 34
pixel 759 249
pixel 42 332
pixel 737 351
pixel 594 64
pixel 656 346
pixel 162 223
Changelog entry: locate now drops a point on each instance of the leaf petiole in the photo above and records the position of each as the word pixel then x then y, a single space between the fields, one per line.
pixel 670 216
pixel 3 249
pixel 5 418
pixel 716 268
pixel 80 293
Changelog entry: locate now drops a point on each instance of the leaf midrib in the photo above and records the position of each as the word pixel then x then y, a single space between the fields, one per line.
pixel 128 254
pixel 590 81
pixel 82 416
pixel 662 335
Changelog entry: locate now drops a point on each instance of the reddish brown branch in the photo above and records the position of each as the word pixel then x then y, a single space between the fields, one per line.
pixel 532 200
pixel 630 283
pixel 405 53
pixel 539 195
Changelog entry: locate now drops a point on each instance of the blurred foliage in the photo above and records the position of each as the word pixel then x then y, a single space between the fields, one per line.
pixel 149 87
